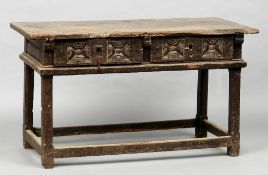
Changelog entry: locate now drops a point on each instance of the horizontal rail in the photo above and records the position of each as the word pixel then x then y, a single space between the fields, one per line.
pixel 146 67
pixel 125 127
pixel 141 147
pixel 214 129
pixel 33 140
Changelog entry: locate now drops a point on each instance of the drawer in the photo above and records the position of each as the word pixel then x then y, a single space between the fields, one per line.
pixel 192 48
pixel 98 51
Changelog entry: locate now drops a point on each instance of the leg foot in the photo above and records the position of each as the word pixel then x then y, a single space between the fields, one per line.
pixel 26 145
pixel 233 151
pixel 47 161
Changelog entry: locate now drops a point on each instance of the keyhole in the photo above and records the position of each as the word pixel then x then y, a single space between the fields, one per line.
pixel 191 46
pixel 98 49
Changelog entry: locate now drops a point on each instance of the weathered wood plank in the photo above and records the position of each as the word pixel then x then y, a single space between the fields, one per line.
pixel 141 147
pixel 214 128
pixel 129 28
pixel 33 140
pixel 50 70
pixel 124 127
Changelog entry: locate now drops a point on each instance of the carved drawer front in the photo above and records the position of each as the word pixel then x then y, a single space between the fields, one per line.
pixel 192 48
pixel 98 52
pixel 167 49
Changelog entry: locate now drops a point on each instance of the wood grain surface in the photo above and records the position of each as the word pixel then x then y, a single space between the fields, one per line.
pixel 129 28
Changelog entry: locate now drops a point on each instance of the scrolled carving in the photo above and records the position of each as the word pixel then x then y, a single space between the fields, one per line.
pixel 173 49
pixel 118 51
pixel 78 53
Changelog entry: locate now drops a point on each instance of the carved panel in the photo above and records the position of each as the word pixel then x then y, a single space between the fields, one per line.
pixel 118 51
pixel 167 49
pixel 78 53
pixel 212 48
pixel 217 48
pixel 192 48
pixel 98 52
pixel 173 49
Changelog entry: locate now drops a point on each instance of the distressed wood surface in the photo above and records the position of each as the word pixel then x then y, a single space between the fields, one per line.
pixel 192 48
pixel 214 128
pixel 28 102
pixel 47 121
pixel 129 28
pixel 98 52
pixel 234 111
pixel 141 147
pixel 124 127
pixel 33 140
pixel 147 67
pixel 202 103
pixel 95 47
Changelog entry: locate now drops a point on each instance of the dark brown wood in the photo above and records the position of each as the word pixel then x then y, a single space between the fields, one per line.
pixel 234 111
pixel 94 47
pixel 50 70
pixel 34 48
pixel 28 102
pixel 238 41
pixel 134 51
pixel 47 55
pixel 202 98
pixel 98 52
pixel 124 127
pixel 213 128
pixel 47 121
pixel 141 147
pixel 147 42
pixel 192 48
pixel 126 51
pixel 33 140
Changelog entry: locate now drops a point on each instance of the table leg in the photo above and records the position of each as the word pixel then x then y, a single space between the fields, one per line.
pixel 47 121
pixel 202 97
pixel 234 111
pixel 28 102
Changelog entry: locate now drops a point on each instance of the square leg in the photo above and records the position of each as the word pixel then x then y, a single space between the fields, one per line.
pixel 202 98
pixel 234 111
pixel 28 102
pixel 47 154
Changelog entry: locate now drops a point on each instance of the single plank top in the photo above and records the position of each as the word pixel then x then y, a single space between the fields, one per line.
pixel 129 28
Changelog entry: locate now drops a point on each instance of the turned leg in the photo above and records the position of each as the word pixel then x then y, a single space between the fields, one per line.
pixel 28 102
pixel 202 98
pixel 234 111
pixel 47 121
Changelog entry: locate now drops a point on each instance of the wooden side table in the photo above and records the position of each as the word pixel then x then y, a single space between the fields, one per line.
pixel 94 47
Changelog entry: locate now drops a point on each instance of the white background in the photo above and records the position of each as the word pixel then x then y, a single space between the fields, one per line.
pixel 119 98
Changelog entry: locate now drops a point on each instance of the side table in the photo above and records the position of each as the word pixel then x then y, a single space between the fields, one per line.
pixel 94 47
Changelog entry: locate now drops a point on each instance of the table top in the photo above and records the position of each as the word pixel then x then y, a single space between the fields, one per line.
pixel 129 28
